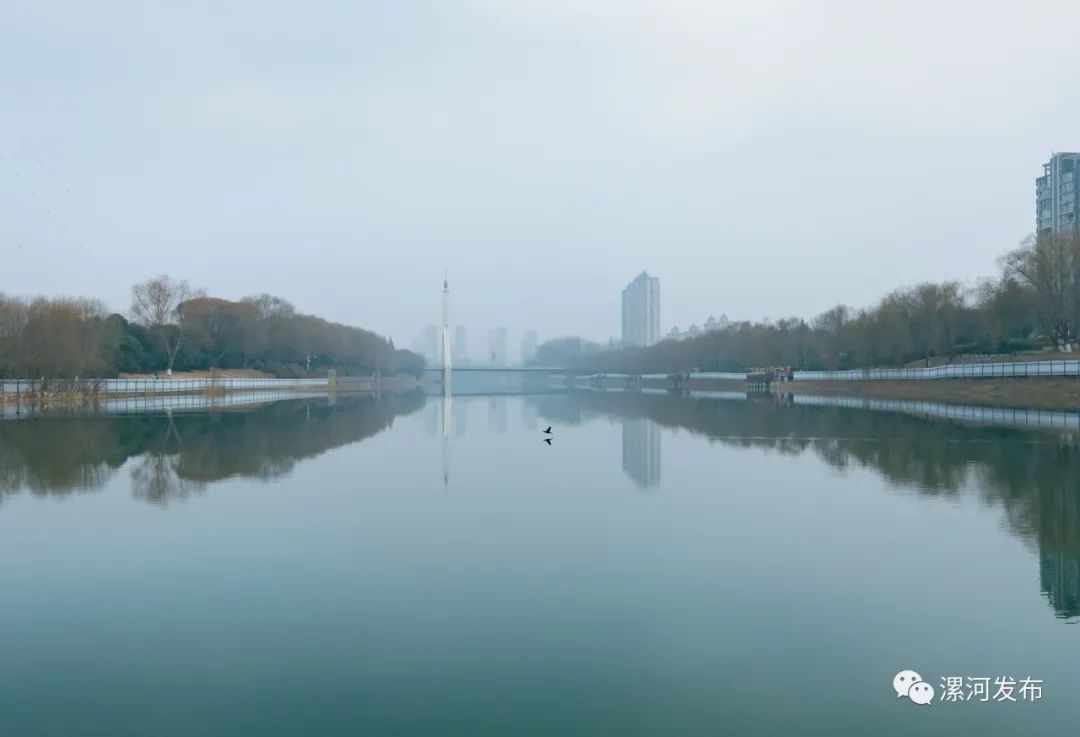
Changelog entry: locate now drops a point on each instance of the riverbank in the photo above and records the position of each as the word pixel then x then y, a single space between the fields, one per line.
pixel 1031 393
pixel 89 395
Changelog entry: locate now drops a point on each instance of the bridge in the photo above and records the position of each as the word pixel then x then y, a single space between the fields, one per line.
pixel 496 380
pixel 552 370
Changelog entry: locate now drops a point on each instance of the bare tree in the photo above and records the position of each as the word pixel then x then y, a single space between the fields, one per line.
pixel 1050 264
pixel 221 328
pixel 156 304
pixel 14 315
pixel 269 306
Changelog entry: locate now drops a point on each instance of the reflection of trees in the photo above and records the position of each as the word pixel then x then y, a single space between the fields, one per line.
pixel 155 477
pixel 179 454
pixel 1033 475
pixel 58 457
pixel 1058 528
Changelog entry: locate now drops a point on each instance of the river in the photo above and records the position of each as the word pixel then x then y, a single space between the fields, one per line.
pixel 668 565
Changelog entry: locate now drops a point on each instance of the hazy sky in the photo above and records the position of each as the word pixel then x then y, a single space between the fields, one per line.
pixel 762 158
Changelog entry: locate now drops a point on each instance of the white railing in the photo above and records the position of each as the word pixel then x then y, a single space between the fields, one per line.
pixel 166 402
pixel 997 370
pixel 1019 369
pixel 152 386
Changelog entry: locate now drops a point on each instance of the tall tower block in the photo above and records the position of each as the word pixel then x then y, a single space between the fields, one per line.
pixel 446 334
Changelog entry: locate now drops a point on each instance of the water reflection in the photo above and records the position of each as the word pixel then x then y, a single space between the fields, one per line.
pixel 497 415
pixel 156 477
pixel 461 416
pixel 529 419
pixel 179 454
pixel 1033 476
pixel 447 410
pixel 430 417
pixel 641 451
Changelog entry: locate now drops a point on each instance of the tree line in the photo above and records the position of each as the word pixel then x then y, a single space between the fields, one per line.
pixel 171 325
pixel 1032 303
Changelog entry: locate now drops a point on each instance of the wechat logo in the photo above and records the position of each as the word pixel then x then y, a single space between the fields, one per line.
pixel 909 683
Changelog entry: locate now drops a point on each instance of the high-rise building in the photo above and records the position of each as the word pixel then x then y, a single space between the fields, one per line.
pixel 529 341
pixel 431 345
pixel 445 361
pixel 641 311
pixel 1057 194
pixel 461 348
pixel 497 347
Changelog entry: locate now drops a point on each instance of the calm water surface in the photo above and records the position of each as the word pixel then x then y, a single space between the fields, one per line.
pixel 668 566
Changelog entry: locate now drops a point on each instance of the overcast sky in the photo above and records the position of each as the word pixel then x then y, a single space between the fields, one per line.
pixel 761 158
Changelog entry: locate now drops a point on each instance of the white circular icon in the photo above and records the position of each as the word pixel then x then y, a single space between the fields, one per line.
pixel 903 681
pixel 921 693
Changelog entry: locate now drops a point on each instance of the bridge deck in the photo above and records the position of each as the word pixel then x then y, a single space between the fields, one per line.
pixel 507 369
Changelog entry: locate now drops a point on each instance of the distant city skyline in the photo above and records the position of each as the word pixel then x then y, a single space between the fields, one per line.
pixel 640 314
pixel 438 345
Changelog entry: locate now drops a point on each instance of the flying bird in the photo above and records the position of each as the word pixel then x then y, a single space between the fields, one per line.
pixel 548 431
pixel 547 440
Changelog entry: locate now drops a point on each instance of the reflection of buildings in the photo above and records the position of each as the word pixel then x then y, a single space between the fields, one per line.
pixel 431 419
pixel 447 410
pixel 529 416
pixel 1059 546
pixel 1059 579
pixel 641 451
pixel 460 416
pixel 497 415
